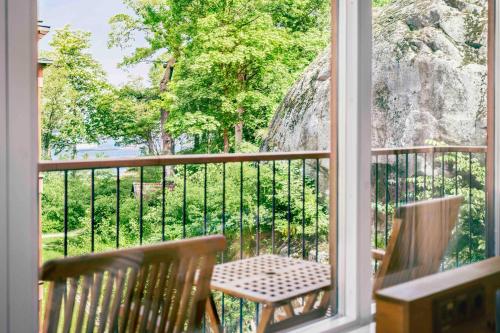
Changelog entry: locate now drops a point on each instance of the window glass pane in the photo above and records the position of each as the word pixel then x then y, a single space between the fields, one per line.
pixel 429 125
pixel 152 117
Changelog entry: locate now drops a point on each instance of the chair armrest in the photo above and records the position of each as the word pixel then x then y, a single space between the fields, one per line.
pixel 378 254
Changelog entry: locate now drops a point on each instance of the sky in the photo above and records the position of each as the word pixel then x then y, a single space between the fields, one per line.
pixel 92 16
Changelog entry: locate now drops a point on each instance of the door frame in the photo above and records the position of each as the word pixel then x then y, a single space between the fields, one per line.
pixel 18 167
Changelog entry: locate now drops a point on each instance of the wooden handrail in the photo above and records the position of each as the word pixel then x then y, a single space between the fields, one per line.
pixel 428 149
pixel 45 166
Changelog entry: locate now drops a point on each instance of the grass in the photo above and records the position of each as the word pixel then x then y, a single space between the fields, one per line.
pixel 51 249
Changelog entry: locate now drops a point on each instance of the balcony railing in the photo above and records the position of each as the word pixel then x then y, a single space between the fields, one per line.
pixel 263 203
pixel 402 175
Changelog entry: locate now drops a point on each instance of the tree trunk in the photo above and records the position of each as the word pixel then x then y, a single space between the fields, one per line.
pixel 166 137
pixel 151 146
pixel 238 128
pixel 226 141
pixel 74 152
pixel 46 151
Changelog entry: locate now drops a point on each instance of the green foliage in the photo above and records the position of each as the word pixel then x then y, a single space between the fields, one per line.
pixel 105 208
pixel 232 66
pixel 234 60
pixel 130 114
pixel 381 3
pixel 167 26
pixel 53 203
pixel 299 15
pixel 74 84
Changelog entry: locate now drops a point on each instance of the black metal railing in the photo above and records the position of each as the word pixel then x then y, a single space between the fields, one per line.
pixel 262 203
pixel 405 175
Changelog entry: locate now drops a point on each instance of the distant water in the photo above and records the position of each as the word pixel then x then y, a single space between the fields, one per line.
pixel 107 149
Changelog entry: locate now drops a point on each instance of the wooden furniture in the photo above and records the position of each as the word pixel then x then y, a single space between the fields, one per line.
pixel 158 288
pixel 456 301
pixel 420 235
pixel 300 289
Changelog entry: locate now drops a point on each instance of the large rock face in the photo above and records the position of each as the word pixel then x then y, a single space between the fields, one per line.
pixel 429 81
pixel 304 112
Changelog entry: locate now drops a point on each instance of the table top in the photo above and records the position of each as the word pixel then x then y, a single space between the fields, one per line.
pixel 270 279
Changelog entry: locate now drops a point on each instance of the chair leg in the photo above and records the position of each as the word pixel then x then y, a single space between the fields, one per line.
pixel 265 320
pixel 213 317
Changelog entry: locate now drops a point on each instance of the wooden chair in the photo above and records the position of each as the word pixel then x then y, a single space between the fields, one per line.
pixel 420 235
pixel 158 288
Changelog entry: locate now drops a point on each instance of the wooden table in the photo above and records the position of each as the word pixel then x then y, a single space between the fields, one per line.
pixel 291 291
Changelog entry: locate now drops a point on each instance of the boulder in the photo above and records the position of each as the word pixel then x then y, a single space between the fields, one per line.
pixel 304 113
pixel 429 81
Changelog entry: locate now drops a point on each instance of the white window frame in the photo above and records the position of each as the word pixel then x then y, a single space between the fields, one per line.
pixel 18 167
pixel 353 157
pixel 19 156
pixel 3 174
pixel 496 125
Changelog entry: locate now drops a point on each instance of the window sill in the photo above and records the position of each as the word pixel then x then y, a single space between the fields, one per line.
pixel 339 324
pixel 335 325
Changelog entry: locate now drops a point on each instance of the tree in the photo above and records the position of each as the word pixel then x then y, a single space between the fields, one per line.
pixel 233 59
pixel 74 84
pixel 166 26
pixel 240 62
pixel 129 115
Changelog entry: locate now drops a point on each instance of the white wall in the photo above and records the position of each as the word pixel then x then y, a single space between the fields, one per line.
pixel 18 174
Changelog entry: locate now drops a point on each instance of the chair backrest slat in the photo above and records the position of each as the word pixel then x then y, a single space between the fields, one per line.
pixel 115 306
pixel 185 295
pixel 95 294
pixel 84 295
pixel 148 295
pixel 138 293
pixel 106 300
pixel 177 291
pixel 70 305
pixel 154 288
pixel 133 275
pixel 53 307
pixel 167 299
pixel 419 239
pixel 157 296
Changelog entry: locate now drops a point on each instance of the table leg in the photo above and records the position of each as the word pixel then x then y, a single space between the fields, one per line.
pixel 290 312
pixel 266 318
pixel 309 302
pixel 325 300
pixel 212 315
